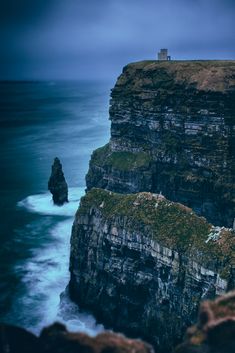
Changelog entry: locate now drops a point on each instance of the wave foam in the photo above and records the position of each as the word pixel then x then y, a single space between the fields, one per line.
pixel 43 204
pixel 46 272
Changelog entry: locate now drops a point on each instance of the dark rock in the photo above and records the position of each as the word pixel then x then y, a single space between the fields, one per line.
pixel 213 333
pixel 17 340
pixel 57 184
pixel 56 339
pixel 215 330
pixel 142 264
pixel 173 130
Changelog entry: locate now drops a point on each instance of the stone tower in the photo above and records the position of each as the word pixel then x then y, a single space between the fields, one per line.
pixel 163 55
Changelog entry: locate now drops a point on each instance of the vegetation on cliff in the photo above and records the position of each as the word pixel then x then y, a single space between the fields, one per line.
pixel 206 75
pixel 172 224
pixel 124 161
pixel 172 130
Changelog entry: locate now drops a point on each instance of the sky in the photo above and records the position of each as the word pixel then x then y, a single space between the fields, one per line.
pixel 94 39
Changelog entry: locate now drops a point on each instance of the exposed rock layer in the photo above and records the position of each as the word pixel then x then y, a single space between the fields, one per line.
pixel 173 130
pixel 142 263
pixel 57 184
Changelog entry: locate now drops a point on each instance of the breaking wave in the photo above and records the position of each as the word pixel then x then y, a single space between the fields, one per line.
pixel 45 274
pixel 43 204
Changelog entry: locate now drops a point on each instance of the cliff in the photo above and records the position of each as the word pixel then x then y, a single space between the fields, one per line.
pixel 173 131
pixel 213 333
pixel 56 339
pixel 142 263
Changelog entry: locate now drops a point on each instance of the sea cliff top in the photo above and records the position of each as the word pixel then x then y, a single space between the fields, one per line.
pixel 171 224
pixel 204 75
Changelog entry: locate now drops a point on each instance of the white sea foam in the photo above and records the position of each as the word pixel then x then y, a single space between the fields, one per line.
pixel 46 273
pixel 43 204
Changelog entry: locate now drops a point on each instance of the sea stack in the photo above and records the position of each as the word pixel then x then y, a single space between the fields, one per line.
pixel 57 184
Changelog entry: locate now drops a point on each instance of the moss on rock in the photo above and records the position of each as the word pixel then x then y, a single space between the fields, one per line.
pixel 172 224
pixel 123 160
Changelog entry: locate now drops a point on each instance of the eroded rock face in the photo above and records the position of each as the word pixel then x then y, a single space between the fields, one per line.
pixel 173 130
pixel 142 263
pixel 215 329
pixel 56 339
pixel 57 184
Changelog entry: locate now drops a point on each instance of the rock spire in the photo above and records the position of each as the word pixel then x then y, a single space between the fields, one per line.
pixel 57 184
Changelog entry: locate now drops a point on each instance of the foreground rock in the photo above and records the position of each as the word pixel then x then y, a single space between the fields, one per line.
pixel 215 330
pixel 173 130
pixel 142 263
pixel 213 333
pixel 57 184
pixel 56 339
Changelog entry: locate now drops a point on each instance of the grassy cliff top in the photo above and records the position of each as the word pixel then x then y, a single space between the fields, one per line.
pixel 125 161
pixel 204 75
pixel 172 224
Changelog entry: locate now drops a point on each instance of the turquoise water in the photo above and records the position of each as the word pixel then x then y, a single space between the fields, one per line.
pixel 38 122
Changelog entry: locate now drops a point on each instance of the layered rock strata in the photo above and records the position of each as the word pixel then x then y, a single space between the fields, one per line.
pixel 57 184
pixel 142 263
pixel 173 131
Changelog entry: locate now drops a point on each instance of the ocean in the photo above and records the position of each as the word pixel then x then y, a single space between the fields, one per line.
pixel 39 121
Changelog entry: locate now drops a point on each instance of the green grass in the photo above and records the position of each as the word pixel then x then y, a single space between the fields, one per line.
pixel 171 224
pixel 120 160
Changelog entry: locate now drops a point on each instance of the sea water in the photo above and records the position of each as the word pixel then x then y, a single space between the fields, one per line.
pixel 39 121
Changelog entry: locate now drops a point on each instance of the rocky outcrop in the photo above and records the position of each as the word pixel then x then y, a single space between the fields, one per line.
pixel 56 339
pixel 57 184
pixel 173 131
pixel 215 329
pixel 213 333
pixel 142 263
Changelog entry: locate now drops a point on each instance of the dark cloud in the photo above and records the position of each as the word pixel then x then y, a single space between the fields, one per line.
pixel 95 38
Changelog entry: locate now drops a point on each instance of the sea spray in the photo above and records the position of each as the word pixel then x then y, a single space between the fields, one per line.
pixel 46 274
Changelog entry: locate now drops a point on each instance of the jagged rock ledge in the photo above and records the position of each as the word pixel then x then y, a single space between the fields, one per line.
pixel 142 263
pixel 56 339
pixel 173 130
pixel 213 333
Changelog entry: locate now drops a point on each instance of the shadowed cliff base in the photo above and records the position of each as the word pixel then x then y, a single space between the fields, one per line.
pixel 213 333
pixel 173 131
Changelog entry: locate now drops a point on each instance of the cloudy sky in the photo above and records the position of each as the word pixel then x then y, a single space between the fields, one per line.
pixel 73 39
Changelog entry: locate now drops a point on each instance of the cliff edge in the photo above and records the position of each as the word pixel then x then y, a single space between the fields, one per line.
pixel 142 263
pixel 173 131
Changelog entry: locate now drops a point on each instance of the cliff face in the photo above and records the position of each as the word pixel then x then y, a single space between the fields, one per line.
pixel 173 130
pixel 142 263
